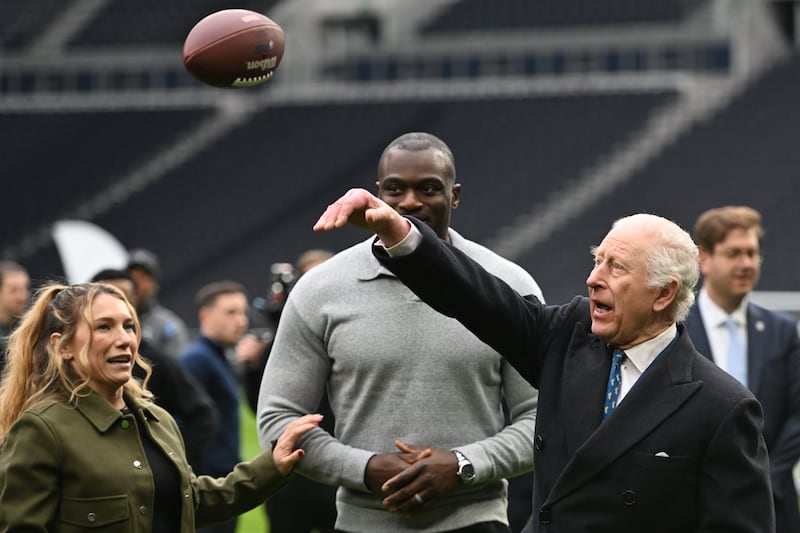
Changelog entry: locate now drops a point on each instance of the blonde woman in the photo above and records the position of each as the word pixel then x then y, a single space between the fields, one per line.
pixel 83 444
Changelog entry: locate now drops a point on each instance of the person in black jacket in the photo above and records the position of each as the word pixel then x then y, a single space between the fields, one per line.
pixel 636 430
pixel 174 388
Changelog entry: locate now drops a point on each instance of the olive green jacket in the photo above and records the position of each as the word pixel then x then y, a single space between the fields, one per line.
pixel 66 468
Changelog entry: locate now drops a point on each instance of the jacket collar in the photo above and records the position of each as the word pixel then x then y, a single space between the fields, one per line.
pixel 758 336
pixel 103 415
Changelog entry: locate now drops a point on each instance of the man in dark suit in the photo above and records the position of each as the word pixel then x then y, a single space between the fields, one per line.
pixel 663 442
pixel 729 239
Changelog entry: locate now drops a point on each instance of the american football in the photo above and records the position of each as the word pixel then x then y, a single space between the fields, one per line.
pixel 233 48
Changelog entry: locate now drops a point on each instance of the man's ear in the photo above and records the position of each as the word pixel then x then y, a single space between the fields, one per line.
pixel 666 295
pixel 704 257
pixel 456 195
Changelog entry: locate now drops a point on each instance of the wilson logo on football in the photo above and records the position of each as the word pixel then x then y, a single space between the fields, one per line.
pixel 262 64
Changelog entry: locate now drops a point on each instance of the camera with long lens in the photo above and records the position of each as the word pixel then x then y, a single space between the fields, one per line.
pixel 283 276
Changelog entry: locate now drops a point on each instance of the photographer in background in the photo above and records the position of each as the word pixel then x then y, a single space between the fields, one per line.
pixel 303 505
pixel 252 351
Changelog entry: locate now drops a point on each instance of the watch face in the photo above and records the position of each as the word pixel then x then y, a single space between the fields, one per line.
pixel 468 472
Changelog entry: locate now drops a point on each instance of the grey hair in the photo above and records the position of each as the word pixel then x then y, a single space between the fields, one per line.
pixel 674 256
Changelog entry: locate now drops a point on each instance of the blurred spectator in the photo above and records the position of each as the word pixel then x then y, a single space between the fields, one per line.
pixel 173 387
pixel 160 326
pixel 311 258
pixel 729 240
pixel 303 505
pixel 222 315
pixel 14 296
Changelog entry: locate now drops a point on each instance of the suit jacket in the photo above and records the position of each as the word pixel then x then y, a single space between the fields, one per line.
pixel 75 468
pixel 610 476
pixel 773 364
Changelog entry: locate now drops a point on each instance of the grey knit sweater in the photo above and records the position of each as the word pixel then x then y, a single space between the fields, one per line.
pixel 395 368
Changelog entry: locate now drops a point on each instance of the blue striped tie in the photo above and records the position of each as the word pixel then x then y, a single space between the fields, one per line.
pixel 614 382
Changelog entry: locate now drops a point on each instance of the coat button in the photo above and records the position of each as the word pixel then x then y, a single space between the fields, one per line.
pixel 545 515
pixel 629 497
pixel 142 510
pixel 125 424
pixel 538 442
pixel 91 517
pixel 137 464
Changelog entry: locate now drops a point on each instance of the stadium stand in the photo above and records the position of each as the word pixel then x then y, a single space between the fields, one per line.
pixel 21 20
pixel 126 23
pixel 525 118
pixel 74 155
pixel 471 38
pixel 745 155
pixel 472 15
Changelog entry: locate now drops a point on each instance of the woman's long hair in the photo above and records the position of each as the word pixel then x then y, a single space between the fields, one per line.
pixel 35 371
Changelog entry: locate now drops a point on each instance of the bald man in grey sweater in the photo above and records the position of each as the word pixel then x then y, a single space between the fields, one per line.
pixel 396 370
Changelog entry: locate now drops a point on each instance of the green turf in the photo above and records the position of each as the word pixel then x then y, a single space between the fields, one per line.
pixel 254 521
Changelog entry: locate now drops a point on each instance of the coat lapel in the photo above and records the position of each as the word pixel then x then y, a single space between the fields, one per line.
pixel 585 377
pixel 758 345
pixel 697 331
pixel 661 391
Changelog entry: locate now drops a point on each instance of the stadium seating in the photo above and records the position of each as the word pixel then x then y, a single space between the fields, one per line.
pixel 126 23
pixel 22 20
pixel 472 15
pixel 506 39
pixel 250 198
pixel 746 155
pixel 55 161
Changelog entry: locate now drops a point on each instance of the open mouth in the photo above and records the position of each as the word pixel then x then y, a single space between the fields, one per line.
pixel 603 308
pixel 120 360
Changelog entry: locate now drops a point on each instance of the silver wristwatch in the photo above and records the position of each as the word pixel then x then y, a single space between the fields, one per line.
pixel 465 469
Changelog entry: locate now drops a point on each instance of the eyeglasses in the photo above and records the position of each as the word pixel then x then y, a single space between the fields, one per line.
pixel 734 254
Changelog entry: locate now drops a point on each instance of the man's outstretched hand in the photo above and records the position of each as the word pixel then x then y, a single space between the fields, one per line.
pixel 364 210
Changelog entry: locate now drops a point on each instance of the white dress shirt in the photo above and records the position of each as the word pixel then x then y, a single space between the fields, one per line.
pixel 640 357
pixel 714 318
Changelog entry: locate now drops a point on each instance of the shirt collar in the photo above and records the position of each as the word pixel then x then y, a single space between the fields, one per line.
pixel 642 355
pixel 716 316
